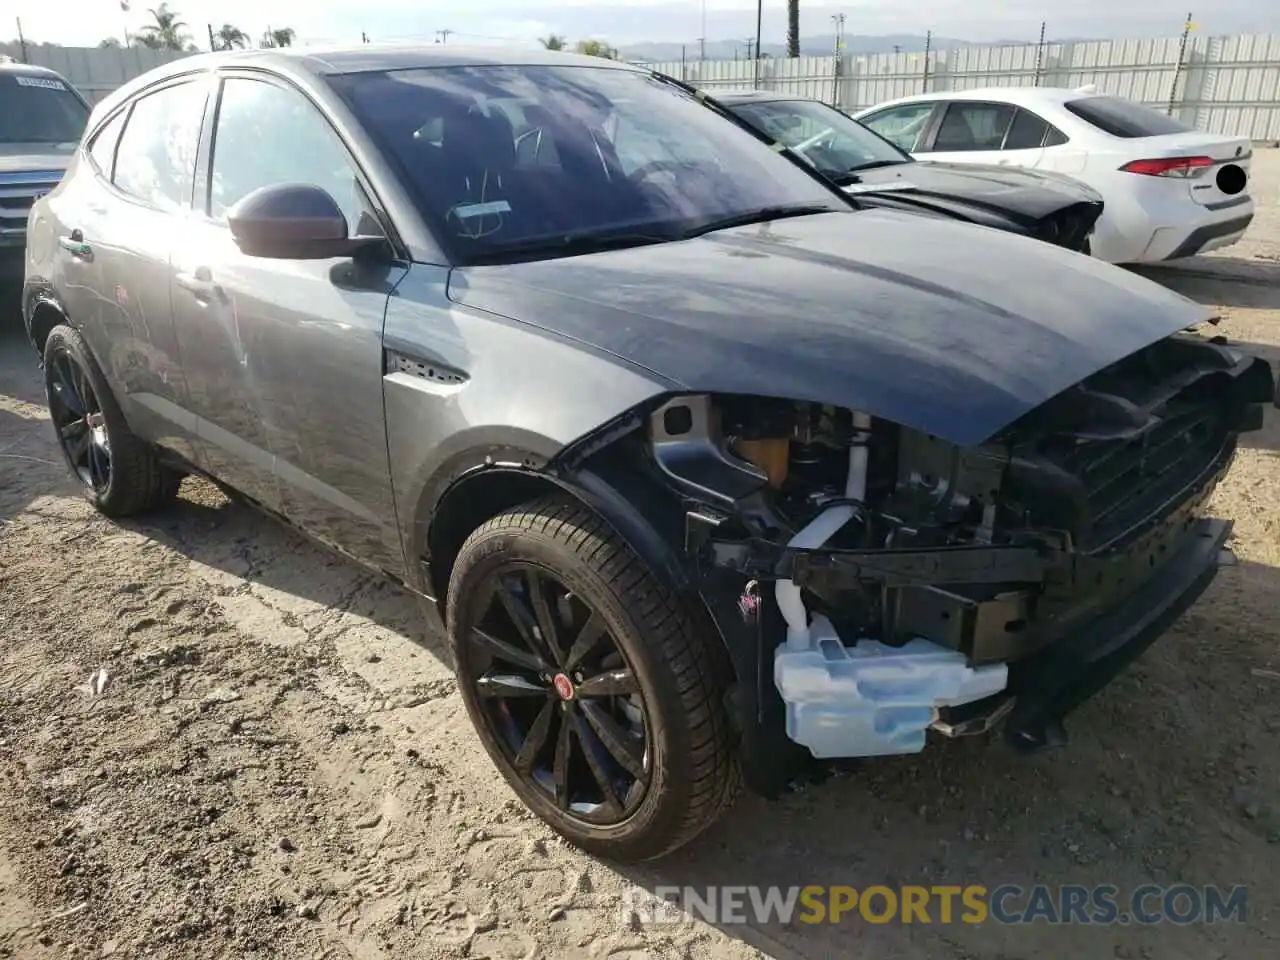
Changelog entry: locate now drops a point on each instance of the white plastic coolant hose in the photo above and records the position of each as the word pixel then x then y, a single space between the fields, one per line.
pixel 818 531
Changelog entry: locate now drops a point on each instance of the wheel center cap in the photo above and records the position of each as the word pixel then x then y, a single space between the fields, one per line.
pixel 563 685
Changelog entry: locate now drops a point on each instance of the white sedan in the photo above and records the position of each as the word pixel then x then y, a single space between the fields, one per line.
pixel 1170 191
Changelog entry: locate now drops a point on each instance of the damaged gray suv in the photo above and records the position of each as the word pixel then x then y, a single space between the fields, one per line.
pixel 711 475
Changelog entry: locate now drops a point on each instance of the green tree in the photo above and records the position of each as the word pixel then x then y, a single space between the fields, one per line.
pixel 230 37
pixel 167 33
pixel 283 37
pixel 110 43
pixel 597 48
pixel 553 42
pixel 793 28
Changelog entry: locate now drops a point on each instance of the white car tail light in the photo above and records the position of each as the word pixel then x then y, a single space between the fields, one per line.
pixel 1183 167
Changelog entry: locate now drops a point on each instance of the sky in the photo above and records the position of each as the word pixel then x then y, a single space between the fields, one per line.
pixel 86 22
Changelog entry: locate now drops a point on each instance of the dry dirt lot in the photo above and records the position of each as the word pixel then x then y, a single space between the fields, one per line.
pixel 279 764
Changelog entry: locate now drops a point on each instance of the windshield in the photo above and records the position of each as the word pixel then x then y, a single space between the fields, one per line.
pixel 834 143
pixel 39 110
pixel 504 158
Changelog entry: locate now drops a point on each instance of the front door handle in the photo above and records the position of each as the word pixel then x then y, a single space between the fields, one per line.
pixel 76 245
pixel 200 283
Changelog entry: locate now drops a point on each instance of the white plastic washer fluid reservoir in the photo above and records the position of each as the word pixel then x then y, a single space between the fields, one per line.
pixel 873 700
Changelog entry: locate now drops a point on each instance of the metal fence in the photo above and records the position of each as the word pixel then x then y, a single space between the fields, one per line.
pixel 94 71
pixel 1225 84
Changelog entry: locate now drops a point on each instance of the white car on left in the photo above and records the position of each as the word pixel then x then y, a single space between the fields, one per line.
pixel 1170 191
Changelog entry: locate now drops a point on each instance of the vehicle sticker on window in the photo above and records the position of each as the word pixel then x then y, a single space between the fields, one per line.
pixel 879 187
pixel 464 211
pixel 43 82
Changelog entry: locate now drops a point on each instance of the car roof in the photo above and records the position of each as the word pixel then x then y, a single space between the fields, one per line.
pixel 1020 96
pixel 325 61
pixel 27 69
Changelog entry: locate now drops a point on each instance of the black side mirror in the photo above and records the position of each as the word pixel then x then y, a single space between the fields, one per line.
pixel 293 221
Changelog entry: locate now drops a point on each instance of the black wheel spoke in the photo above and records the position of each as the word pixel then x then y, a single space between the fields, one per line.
pixel 590 634
pixel 74 430
pixel 512 654
pixel 535 739
pixel 98 465
pixel 78 449
pixel 494 684
pixel 546 623
pixel 523 619
pixel 614 740
pixel 614 683
pixel 591 746
pixel 564 750
pixel 65 387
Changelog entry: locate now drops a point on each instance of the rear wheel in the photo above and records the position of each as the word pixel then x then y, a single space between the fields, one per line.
pixel 120 473
pixel 588 684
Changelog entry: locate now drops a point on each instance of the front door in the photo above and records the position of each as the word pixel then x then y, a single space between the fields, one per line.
pixel 286 364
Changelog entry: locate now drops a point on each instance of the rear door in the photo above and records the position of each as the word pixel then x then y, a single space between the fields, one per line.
pixel 119 223
pixel 285 356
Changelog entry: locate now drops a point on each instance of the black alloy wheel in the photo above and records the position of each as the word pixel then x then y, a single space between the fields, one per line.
pixel 79 421
pixel 558 694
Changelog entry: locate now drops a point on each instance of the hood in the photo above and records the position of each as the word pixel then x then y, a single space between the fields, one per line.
pixel 35 157
pixel 976 191
pixel 948 328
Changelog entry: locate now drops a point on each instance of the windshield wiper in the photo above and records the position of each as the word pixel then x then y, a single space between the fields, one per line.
pixel 875 164
pixel 567 245
pixel 759 215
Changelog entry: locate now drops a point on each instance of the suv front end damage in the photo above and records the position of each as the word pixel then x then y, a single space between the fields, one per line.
pixel 873 582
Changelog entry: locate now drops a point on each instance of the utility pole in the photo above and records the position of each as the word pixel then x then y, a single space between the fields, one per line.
pixel 22 41
pixel 442 36
pixel 750 41
pixel 928 45
pixel 702 40
pixel 364 37
pixel 212 44
pixel 1187 27
pixel 759 30
pixel 838 20
pixel 1040 52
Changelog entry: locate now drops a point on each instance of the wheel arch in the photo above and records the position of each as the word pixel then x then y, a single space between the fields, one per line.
pixel 43 313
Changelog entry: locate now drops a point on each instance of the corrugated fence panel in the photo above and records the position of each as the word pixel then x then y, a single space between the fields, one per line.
pixel 1225 84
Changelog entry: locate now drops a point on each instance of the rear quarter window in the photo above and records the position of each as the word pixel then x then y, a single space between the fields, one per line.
pixel 1124 118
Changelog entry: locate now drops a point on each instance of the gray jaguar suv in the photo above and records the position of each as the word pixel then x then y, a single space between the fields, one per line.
pixel 710 474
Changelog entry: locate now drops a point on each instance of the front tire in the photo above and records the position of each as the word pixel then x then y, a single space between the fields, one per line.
pixel 120 473
pixel 592 690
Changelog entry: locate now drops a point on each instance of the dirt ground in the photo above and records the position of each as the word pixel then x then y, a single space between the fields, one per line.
pixel 279 764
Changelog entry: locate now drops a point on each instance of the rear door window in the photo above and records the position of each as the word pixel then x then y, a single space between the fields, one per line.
pixel 156 158
pixel 971 125
pixel 1027 132
pixel 102 149
pixel 1124 118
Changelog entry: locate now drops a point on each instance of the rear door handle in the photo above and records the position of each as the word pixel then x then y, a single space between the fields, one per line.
pixel 76 246
pixel 200 283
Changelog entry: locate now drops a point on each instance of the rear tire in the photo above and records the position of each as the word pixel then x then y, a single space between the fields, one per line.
pixel 573 571
pixel 121 474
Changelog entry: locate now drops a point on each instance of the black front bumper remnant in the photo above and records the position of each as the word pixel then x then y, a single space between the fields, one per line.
pixel 1052 683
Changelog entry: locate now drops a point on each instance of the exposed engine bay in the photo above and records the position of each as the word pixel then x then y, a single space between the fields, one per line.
pixel 900 583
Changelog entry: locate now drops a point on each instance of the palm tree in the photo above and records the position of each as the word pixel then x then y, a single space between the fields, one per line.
pixel 167 33
pixel 553 42
pixel 230 37
pixel 282 37
pixel 793 28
